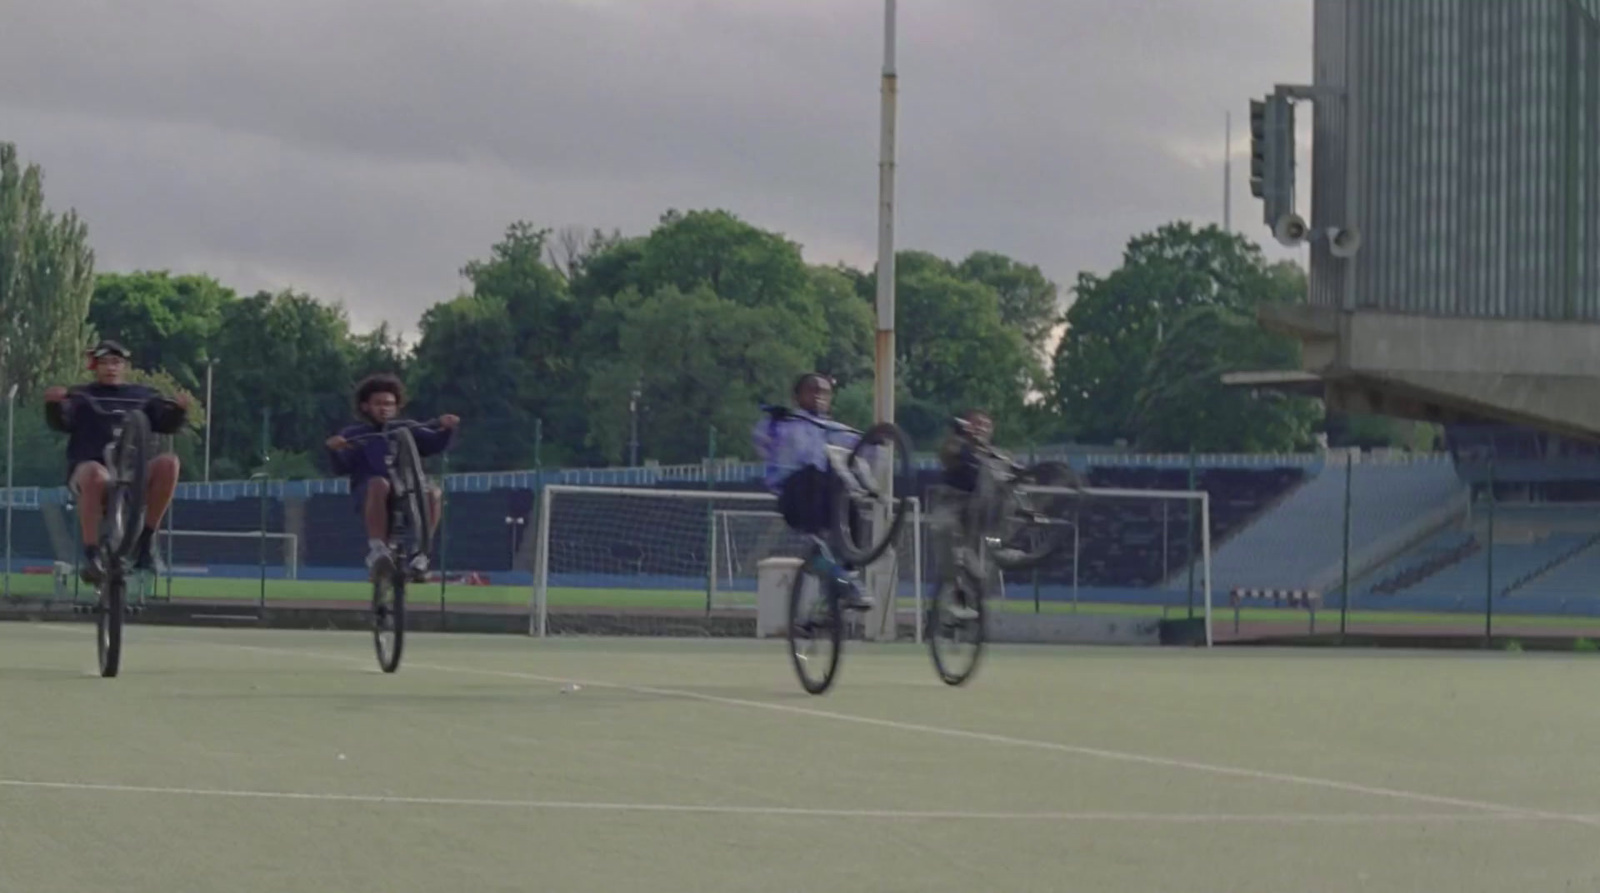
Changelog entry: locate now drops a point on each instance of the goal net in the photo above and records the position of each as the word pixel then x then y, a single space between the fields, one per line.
pixel 1121 552
pixel 226 552
pixel 623 549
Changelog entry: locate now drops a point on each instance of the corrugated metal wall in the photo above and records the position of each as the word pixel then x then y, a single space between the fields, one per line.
pixel 1467 149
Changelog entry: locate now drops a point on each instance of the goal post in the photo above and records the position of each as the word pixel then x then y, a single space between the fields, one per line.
pixel 235 547
pixel 1131 547
pixel 631 548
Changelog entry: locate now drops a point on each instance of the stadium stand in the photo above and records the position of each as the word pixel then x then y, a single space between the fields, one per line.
pixel 1298 543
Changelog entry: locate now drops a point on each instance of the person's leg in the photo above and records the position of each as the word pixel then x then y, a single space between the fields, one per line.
pixel 419 562
pixel 813 499
pixel 161 482
pixel 88 482
pixel 375 509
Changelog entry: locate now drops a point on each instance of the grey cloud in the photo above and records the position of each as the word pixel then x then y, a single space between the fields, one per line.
pixel 364 149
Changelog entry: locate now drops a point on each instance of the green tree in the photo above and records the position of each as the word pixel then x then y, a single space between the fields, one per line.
pixel 1117 322
pixel 1027 300
pixel 850 325
pixel 467 363
pixel 286 365
pixel 1183 403
pixel 952 346
pixel 379 350
pixel 46 279
pixel 699 362
pixel 169 322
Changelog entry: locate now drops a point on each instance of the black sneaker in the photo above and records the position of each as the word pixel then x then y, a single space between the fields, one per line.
pixel 145 553
pixel 93 570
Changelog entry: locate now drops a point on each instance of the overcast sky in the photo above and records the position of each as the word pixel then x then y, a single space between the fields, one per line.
pixel 363 150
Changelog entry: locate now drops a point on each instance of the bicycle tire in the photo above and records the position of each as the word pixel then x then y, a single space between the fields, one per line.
pixel 125 503
pixel 414 484
pixel 953 670
pixel 802 618
pixel 108 631
pixel 845 509
pixel 1046 541
pixel 389 619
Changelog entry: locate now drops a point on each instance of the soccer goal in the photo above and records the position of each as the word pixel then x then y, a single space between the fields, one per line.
pixel 1122 552
pixel 627 548
pixel 231 548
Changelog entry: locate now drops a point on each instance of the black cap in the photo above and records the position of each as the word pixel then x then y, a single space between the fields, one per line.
pixel 109 348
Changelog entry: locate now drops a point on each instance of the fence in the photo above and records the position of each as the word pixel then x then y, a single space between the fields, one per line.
pixel 1363 545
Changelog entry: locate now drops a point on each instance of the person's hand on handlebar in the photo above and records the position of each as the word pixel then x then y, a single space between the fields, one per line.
pixel 55 394
pixel 337 443
pixel 448 422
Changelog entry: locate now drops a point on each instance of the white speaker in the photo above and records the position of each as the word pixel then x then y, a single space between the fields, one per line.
pixel 1344 243
pixel 1290 230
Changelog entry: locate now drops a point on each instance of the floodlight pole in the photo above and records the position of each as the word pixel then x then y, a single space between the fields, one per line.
pixel 210 365
pixel 881 582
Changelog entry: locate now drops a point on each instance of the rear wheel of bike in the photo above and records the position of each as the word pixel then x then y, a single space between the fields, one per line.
pixel 389 618
pixel 956 640
pixel 108 641
pixel 816 630
pixel 1035 526
pixel 124 508
pixel 860 500
pixel 413 486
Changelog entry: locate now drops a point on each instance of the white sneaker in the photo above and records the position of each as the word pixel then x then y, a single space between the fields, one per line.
pixel 379 561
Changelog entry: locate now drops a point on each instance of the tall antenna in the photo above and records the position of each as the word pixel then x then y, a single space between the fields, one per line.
pixel 1227 173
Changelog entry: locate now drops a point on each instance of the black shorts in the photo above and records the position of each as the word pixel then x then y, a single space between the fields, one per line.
pixel 806 500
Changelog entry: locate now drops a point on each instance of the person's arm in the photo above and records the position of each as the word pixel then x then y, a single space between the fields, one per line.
pixel 57 416
pixel 432 441
pixel 167 416
pixel 339 459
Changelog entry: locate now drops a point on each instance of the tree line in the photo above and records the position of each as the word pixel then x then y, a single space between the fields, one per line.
pixel 564 343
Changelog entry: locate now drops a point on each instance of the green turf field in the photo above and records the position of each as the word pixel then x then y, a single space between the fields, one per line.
pixel 467 597
pixel 257 760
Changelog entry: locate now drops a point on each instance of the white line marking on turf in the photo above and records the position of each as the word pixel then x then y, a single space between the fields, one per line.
pixel 1309 818
pixel 986 737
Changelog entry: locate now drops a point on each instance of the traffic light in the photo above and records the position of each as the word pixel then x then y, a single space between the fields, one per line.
pixel 1258 148
pixel 1272 156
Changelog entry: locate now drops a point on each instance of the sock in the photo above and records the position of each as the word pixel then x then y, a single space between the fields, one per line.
pixel 145 536
pixel 376 544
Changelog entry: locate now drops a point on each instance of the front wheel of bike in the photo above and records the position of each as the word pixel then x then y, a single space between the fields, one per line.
pixel 816 630
pixel 861 499
pixel 1035 526
pixel 957 629
pixel 389 618
pixel 108 639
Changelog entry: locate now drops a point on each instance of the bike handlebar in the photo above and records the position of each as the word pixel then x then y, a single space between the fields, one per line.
pixel 392 426
pixel 98 404
pixel 784 412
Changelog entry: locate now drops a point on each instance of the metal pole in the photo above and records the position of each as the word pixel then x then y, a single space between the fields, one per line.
pixel 882 583
pixel 210 365
pixel 1189 543
pixel 1076 556
pixel 1488 595
pixel 1344 586
pixel 633 428
pixel 172 447
pixel 538 441
pixel 261 479
pixel 1227 173
pixel 444 531
pixel 884 356
pixel 711 519
pixel 11 464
